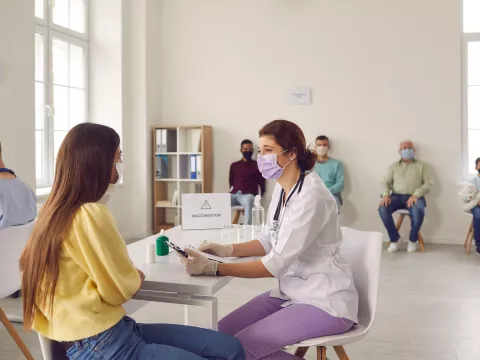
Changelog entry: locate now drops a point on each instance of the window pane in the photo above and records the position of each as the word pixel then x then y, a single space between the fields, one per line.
pixel 77 107
pixel 39 8
pixel 39 154
pixel 60 13
pixel 77 15
pixel 77 67
pixel 474 107
pixel 58 137
pixel 39 106
pixel 474 63
pixel 60 62
pixel 60 104
pixel 471 13
pixel 39 57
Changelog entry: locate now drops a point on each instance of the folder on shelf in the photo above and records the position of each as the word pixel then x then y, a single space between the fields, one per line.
pixel 161 164
pixel 175 198
pixel 193 167
pixel 199 166
pixel 158 140
pixel 164 140
pixel 171 140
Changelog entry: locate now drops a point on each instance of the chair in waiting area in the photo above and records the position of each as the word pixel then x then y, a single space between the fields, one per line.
pixel 363 250
pixel 401 216
pixel 469 239
pixel 12 242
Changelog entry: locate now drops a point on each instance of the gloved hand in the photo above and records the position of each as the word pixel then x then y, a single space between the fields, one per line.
pixel 197 264
pixel 216 249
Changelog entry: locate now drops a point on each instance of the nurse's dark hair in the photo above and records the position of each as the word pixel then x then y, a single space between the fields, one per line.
pixel 476 161
pixel 290 137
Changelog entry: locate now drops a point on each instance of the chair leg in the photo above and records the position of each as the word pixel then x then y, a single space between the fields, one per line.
pixel 236 217
pixel 301 351
pixel 342 355
pixel 400 221
pixel 421 242
pixel 469 239
pixel 13 333
pixel 321 353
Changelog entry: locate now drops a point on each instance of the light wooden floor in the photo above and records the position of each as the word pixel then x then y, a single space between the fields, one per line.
pixel 429 308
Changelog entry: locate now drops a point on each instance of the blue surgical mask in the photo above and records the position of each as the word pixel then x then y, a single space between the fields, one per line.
pixel 407 154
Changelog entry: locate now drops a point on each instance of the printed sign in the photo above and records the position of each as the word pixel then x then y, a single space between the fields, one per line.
pixel 206 211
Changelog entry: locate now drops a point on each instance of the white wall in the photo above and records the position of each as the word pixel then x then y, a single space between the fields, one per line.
pixel 17 96
pixel 381 71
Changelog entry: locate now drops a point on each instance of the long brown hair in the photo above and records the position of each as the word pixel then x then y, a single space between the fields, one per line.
pixel 290 137
pixel 82 175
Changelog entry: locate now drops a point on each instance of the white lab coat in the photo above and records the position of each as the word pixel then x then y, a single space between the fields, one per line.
pixel 305 259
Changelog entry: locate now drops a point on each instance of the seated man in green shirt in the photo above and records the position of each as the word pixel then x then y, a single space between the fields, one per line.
pixel 404 187
pixel 329 169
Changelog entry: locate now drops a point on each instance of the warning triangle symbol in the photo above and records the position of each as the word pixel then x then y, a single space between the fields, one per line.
pixel 206 206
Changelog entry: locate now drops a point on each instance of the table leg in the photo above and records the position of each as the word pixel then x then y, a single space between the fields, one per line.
pixel 214 323
pixel 185 314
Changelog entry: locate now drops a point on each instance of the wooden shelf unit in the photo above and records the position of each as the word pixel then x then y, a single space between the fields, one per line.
pixel 172 169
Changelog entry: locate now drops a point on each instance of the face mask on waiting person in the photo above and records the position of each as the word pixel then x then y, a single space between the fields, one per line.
pixel 112 187
pixel 268 166
pixel 247 154
pixel 322 150
pixel 407 154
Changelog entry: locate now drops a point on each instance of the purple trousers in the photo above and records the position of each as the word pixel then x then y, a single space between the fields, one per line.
pixel 264 328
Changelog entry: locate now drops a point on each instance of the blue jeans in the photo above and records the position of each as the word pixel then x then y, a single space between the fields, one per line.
pixel 129 340
pixel 399 202
pixel 476 226
pixel 339 201
pixel 245 200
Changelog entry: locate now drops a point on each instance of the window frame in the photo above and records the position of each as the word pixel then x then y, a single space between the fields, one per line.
pixel 49 31
pixel 468 167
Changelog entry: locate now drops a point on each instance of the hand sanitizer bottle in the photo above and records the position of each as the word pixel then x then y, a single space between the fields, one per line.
pixel 258 215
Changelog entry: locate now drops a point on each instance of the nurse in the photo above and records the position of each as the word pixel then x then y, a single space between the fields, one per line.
pixel 299 247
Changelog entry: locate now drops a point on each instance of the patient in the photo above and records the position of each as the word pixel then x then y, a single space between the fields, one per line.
pixel 18 204
pixel 76 272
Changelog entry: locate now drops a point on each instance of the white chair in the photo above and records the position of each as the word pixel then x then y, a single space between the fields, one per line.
pixel 401 216
pixel 12 242
pixel 363 250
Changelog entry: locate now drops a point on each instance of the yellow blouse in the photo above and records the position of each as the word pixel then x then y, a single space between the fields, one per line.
pixel 96 276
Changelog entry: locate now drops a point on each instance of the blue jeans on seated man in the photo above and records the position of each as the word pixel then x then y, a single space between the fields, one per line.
pixel 476 226
pixel 128 340
pixel 399 202
pixel 245 200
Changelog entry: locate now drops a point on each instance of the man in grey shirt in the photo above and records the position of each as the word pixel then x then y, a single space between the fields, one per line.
pixel 18 204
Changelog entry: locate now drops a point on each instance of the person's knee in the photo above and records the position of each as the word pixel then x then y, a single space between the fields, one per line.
pixel 384 211
pixel 417 210
pixel 236 351
pixel 476 213
pixel 249 200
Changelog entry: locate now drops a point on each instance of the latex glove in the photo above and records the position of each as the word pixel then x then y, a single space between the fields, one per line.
pixel 216 249
pixel 197 264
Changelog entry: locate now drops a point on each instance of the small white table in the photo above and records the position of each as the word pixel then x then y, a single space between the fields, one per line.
pixel 167 281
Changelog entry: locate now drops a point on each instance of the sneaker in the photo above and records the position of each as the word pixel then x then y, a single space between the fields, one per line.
pixel 393 247
pixel 478 252
pixel 411 247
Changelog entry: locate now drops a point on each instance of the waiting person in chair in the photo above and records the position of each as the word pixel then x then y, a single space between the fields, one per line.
pixel 18 204
pixel 476 210
pixel 330 170
pixel 404 187
pixel 245 180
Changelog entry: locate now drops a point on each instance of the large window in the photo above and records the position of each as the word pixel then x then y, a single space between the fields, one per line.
pixel 61 53
pixel 471 80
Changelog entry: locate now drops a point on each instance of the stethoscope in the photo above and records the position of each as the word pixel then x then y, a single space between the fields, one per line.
pixel 275 228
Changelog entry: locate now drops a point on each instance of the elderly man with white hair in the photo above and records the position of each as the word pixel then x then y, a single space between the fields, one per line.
pixel 404 187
